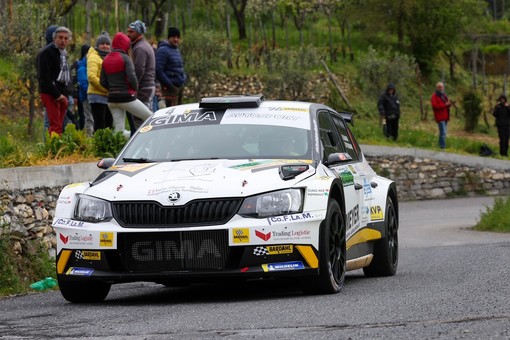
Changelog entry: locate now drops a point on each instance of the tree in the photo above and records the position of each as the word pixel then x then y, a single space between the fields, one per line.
pixel 239 6
pixel 20 43
pixel 203 55
pixel 299 9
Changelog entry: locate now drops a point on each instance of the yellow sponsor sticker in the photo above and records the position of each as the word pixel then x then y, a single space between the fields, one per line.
pixel 106 239
pixel 91 255
pixel 241 235
pixel 281 249
pixel 376 213
pixel 146 129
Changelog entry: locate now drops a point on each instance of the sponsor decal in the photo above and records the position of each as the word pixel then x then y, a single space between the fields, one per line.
pixel 87 255
pixel 318 192
pixel 241 235
pixel 147 251
pixel 353 217
pixel 280 249
pixel 203 170
pixel 273 250
pixel 191 116
pixel 367 188
pixel 146 129
pixel 66 222
pixel 292 218
pixel 77 239
pixel 258 115
pixel 376 213
pixel 298 109
pixel 285 235
pixel 79 271
pixel 64 200
pixel 263 236
pixel 293 265
pixel 351 168
pixel 347 178
pixel 264 165
pixel 106 239
pixel 132 168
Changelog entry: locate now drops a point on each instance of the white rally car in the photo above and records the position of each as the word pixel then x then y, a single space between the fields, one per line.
pixel 229 188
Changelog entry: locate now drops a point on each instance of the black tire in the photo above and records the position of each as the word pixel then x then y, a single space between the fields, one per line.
pixel 332 254
pixel 385 259
pixel 84 292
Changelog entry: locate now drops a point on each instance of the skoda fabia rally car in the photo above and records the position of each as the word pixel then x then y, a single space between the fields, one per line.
pixel 229 188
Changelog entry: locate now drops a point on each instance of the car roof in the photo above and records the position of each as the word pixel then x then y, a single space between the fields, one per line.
pixel 249 103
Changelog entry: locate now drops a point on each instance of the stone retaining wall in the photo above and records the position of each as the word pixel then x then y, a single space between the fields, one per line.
pixel 26 213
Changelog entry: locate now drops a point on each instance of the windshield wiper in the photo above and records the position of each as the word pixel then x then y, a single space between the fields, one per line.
pixel 137 160
pixel 192 159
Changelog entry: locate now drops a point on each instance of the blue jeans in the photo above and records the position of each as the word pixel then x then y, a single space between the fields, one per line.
pixel 442 133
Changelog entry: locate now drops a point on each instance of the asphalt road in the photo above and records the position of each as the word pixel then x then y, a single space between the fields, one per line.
pixel 452 283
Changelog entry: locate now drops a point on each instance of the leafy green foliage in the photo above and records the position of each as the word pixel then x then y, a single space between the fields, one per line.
pixel 202 54
pixel 472 105
pixel 71 141
pixel 378 68
pixel 497 217
pixel 108 142
pixel 290 73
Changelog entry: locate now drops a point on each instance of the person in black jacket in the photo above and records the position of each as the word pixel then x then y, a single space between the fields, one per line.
pixel 389 108
pixel 502 114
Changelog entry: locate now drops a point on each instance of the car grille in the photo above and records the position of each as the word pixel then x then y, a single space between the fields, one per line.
pixel 173 251
pixel 201 212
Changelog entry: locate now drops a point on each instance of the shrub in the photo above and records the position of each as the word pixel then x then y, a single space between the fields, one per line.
pixel 472 105
pixel 290 73
pixel 107 142
pixel 378 68
pixel 71 141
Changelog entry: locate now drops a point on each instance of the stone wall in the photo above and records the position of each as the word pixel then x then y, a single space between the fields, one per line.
pixel 27 202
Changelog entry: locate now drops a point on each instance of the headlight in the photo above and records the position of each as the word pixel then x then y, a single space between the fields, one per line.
pixel 91 209
pixel 283 202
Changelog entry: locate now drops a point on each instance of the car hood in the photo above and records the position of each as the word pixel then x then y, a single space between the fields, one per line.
pixel 176 183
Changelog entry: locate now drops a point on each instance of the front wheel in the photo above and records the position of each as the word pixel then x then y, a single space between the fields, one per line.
pixel 84 292
pixel 332 254
pixel 385 259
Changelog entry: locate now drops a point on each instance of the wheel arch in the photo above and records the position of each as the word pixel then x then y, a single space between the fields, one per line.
pixel 337 193
pixel 392 193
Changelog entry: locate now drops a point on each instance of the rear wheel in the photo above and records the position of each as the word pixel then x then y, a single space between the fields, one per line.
pixel 332 254
pixel 385 259
pixel 84 292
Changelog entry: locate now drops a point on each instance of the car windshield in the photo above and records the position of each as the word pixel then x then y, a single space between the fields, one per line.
pixel 216 141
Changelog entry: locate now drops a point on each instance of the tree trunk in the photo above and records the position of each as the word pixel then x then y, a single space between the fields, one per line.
pixel 239 14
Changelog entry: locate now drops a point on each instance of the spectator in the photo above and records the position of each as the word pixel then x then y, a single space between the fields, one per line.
pixel 54 78
pixel 83 85
pixel 76 89
pixel 119 77
pixel 170 68
pixel 389 108
pixel 502 114
pixel 97 94
pixel 441 107
pixel 144 61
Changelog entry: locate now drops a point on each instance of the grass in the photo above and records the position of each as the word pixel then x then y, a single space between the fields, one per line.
pixel 18 271
pixel 497 217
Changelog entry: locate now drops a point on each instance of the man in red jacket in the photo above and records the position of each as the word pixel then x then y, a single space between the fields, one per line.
pixel 441 106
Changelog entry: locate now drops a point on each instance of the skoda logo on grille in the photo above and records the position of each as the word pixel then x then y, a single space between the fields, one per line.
pixel 174 197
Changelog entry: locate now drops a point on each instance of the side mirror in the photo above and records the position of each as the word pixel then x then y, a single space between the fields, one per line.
pixel 105 163
pixel 337 158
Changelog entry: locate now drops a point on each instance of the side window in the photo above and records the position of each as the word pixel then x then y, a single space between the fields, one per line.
pixel 329 136
pixel 351 146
